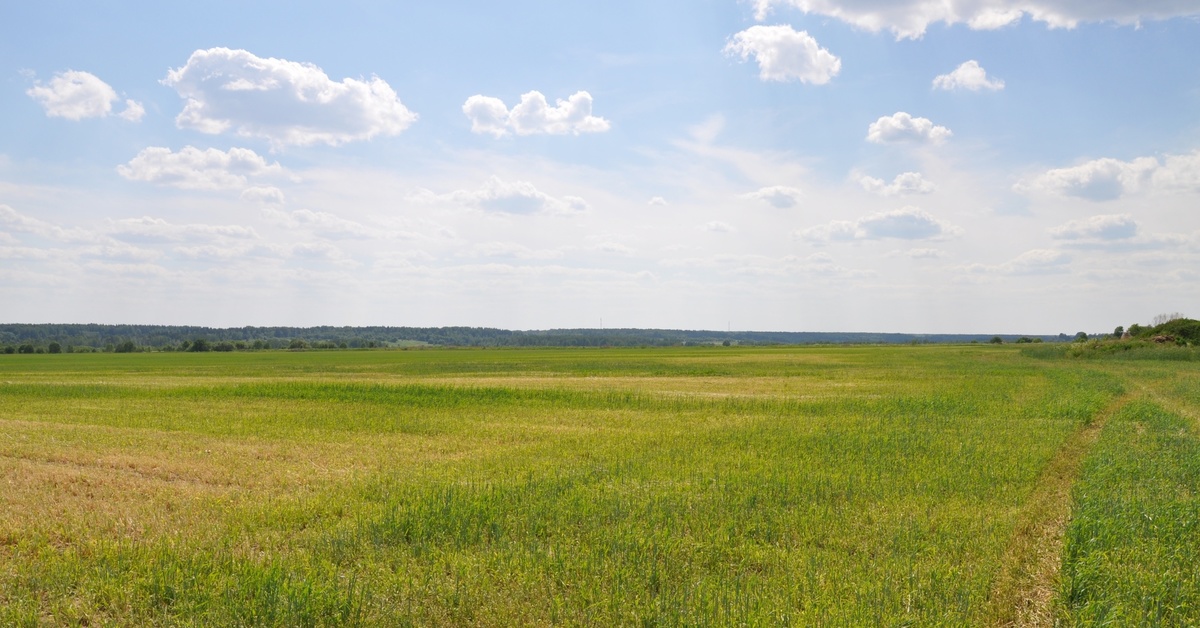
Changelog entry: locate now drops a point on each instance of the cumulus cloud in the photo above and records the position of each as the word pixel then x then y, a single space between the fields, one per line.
pixel 195 169
pixel 1109 227
pixel 533 115
pixel 134 111
pixel 657 201
pixel 284 102
pixel 909 223
pixel 908 19
pixel 969 76
pixel 509 197
pixel 902 127
pixel 904 183
pixel 780 196
pixel 783 54
pixel 1109 179
pixel 76 95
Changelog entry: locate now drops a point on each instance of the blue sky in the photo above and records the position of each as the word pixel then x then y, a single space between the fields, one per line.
pixel 1021 166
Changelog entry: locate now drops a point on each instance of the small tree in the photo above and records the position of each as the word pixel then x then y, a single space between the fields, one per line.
pixel 10 349
pixel 1081 337
pixel 54 347
pixel 25 348
pixel 1119 331
pixel 199 344
pixel 996 340
pixel 1162 319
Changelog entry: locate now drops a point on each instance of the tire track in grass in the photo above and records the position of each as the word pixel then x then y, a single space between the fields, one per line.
pixel 1028 576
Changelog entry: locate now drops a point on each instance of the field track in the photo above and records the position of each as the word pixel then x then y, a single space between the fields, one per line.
pixel 1028 575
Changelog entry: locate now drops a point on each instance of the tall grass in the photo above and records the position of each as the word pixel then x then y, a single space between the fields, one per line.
pixel 776 486
pixel 1133 545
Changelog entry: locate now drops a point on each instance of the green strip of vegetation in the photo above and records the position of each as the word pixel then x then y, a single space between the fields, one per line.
pixel 1133 545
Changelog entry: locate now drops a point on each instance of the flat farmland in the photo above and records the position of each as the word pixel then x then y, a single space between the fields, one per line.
pixel 923 485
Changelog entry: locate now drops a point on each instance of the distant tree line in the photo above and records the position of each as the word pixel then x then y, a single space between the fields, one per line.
pixel 57 338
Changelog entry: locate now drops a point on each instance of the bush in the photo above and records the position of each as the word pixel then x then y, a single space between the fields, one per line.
pixel 1185 329
pixel 54 347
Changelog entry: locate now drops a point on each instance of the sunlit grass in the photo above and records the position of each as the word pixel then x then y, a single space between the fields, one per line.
pixel 864 485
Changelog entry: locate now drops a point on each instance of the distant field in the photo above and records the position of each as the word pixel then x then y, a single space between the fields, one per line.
pixel 926 485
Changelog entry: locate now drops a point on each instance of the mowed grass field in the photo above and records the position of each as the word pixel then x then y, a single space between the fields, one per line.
pixel 930 485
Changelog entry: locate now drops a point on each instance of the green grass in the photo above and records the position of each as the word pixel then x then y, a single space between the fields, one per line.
pixel 1133 547
pixel 757 486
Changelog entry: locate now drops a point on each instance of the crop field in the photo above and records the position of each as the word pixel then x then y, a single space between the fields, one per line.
pixel 917 485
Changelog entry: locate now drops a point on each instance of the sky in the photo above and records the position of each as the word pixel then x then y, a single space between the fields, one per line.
pixel 961 166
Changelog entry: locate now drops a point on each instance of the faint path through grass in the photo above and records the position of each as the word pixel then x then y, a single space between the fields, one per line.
pixel 1024 590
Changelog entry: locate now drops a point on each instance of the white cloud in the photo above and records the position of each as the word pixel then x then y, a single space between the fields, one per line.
pixel 14 220
pixel 328 226
pixel 1115 232
pixel 76 95
pixel 1108 227
pixel 910 18
pixel 909 223
pixel 148 229
pixel 322 251
pixel 264 194
pixel 969 76
pixel 716 226
pixel 783 54
pixel 1179 173
pixel 1098 180
pixel 780 196
pixel 707 131
pixel 516 251
pixel 533 115
pixel 904 183
pixel 509 197
pixel 1034 262
pixel 195 169
pixel 902 127
pixel 134 111
pixel 284 102
pixel 121 252
pixel 657 201
pixel 923 253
